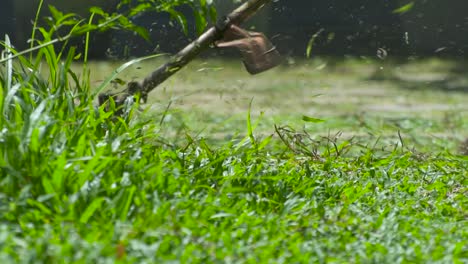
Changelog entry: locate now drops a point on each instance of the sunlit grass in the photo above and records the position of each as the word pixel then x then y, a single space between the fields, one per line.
pixel 205 174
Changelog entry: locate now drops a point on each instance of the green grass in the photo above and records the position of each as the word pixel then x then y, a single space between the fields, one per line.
pixel 219 178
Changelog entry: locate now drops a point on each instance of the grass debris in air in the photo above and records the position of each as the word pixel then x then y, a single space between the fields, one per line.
pixel 299 185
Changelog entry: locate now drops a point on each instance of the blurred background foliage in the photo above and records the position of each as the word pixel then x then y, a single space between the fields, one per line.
pixel 402 28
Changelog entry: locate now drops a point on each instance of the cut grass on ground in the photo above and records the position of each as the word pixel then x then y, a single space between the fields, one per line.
pixel 424 100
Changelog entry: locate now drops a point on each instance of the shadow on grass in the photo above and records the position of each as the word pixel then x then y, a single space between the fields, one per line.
pixel 455 79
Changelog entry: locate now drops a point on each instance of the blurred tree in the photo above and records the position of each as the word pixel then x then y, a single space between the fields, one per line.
pixel 358 27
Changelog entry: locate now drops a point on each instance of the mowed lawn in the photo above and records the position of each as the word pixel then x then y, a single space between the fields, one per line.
pixel 318 161
pixel 425 101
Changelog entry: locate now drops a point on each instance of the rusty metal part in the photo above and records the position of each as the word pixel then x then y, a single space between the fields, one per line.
pixel 257 51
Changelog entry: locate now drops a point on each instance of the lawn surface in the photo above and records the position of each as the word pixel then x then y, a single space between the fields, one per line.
pixel 425 100
pixel 325 161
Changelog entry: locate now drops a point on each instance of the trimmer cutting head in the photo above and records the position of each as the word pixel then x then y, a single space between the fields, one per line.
pixel 258 53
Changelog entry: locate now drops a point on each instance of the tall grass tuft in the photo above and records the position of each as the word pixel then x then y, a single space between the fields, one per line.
pixel 59 151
